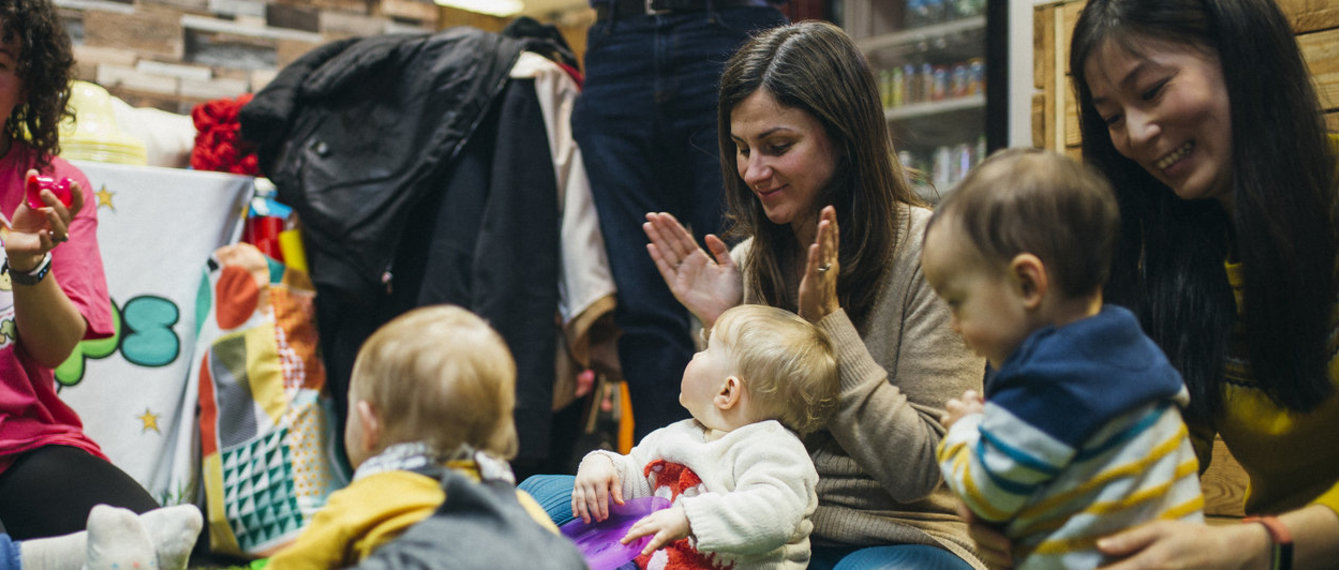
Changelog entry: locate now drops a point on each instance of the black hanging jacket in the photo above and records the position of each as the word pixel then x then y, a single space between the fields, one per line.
pixel 421 174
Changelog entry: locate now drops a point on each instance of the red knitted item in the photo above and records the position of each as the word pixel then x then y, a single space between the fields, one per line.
pixel 680 554
pixel 217 146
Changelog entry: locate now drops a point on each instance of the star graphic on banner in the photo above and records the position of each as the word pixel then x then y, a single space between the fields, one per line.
pixel 105 198
pixel 150 421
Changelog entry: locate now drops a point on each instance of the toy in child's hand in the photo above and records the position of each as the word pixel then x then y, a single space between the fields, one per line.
pixel 599 541
pixel 37 183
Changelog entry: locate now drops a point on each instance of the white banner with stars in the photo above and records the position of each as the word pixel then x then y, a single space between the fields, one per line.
pixel 156 229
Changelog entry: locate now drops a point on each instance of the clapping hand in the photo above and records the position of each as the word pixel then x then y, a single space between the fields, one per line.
pixel 706 284
pixel 818 286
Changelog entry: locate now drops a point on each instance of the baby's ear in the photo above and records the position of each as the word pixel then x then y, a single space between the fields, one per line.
pixel 732 391
pixel 371 424
pixel 1029 274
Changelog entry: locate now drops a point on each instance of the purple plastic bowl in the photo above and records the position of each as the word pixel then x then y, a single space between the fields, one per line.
pixel 599 541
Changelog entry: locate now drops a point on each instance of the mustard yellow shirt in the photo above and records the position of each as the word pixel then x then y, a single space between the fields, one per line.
pixel 373 511
pixel 1290 457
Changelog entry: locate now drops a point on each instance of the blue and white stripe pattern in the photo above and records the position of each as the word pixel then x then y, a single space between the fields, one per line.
pixel 1081 437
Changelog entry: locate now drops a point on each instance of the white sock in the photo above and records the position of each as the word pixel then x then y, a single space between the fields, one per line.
pixel 117 540
pixel 65 552
pixel 173 531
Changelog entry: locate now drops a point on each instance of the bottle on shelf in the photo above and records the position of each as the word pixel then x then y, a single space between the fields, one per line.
pixel 897 86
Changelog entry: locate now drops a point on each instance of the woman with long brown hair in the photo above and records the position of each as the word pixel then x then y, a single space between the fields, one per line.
pixel 832 230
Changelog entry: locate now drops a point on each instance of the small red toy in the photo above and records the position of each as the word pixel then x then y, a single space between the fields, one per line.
pixel 37 183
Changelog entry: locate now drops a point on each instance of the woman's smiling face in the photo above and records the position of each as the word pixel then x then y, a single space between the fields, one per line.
pixel 784 155
pixel 1166 108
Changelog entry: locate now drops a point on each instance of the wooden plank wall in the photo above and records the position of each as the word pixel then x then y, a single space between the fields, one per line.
pixel 571 24
pixel 175 54
pixel 1317 25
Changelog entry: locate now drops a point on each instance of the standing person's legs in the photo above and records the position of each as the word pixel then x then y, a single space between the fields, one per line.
pixel 695 57
pixel 614 122
pixel 50 490
pixel 646 123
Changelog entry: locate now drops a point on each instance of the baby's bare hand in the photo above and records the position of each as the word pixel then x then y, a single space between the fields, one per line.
pixel 597 483
pixel 957 408
pixel 668 525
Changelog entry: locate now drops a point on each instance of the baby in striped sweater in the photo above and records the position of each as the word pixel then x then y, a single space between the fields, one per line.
pixel 1079 434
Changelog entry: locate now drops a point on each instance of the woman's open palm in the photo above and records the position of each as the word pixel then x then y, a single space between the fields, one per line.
pixel 818 286
pixel 706 284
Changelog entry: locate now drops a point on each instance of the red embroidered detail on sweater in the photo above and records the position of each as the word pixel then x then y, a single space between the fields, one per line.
pixel 676 477
pixel 680 554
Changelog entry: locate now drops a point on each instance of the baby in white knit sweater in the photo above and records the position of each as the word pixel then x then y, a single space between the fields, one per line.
pixel 741 481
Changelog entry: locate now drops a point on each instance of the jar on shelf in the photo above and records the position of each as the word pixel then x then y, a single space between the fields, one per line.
pixel 920 13
pixel 915 13
pixel 963 160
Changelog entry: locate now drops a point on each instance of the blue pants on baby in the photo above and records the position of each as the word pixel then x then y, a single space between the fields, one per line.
pixel 9 554
pixel 554 493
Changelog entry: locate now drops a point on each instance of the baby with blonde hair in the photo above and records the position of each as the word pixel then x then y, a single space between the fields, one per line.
pixel 741 483
pixel 433 389
pixel 457 386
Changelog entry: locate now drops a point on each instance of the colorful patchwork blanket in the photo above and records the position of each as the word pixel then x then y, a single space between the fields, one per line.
pixel 266 439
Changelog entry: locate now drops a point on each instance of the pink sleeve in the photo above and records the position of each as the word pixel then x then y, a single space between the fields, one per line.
pixel 77 264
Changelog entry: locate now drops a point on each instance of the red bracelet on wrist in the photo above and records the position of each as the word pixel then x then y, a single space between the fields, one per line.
pixel 1281 553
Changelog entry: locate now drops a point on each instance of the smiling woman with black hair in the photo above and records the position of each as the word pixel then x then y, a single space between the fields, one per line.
pixel 1203 115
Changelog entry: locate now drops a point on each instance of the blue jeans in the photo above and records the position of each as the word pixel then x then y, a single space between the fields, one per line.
pixel 646 125
pixel 910 556
pixel 554 493
pixel 9 554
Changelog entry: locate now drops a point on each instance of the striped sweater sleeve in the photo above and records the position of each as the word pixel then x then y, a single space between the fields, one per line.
pixel 995 461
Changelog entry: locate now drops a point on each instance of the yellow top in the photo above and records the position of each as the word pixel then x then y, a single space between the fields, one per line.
pixel 1290 457
pixel 372 511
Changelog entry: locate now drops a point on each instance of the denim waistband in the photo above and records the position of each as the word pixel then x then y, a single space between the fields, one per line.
pixel 607 9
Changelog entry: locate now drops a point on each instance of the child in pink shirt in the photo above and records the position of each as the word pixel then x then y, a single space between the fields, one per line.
pixel 52 293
